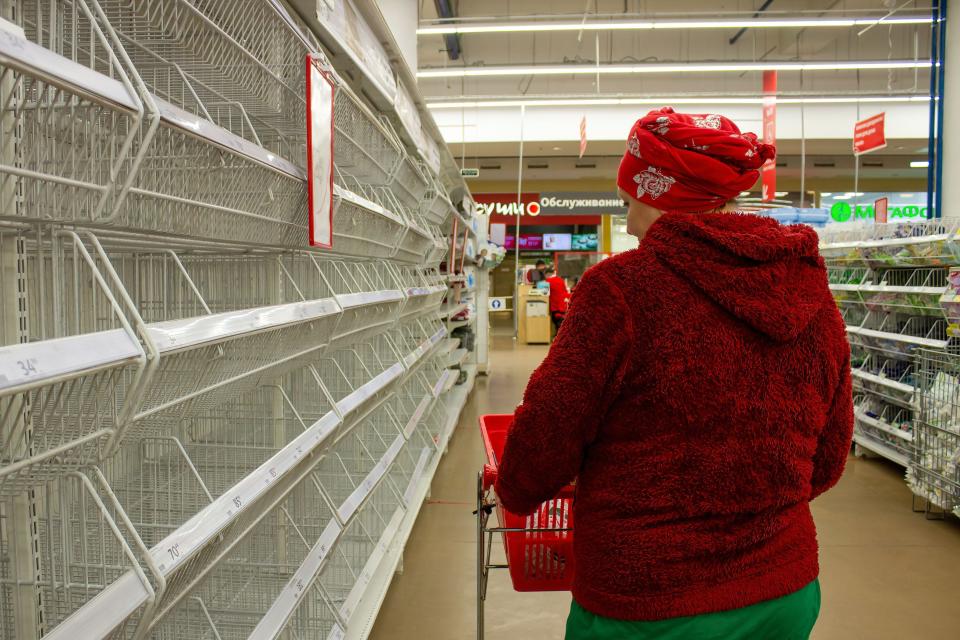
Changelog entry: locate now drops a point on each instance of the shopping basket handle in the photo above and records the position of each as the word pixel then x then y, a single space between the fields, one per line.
pixel 489 476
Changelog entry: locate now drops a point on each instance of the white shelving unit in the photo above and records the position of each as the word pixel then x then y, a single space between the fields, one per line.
pixel 218 430
pixel 895 287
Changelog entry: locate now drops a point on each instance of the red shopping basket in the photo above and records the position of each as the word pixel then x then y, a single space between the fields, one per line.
pixel 538 560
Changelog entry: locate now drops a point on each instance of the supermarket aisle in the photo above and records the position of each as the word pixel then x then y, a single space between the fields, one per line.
pixel 887 573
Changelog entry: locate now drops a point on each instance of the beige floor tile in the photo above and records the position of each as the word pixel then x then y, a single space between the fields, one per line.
pixel 886 572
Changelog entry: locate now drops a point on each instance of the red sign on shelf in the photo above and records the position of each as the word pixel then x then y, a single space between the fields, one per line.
pixel 880 210
pixel 869 135
pixel 768 172
pixel 320 90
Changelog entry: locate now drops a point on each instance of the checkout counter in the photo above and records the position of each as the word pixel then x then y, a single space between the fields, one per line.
pixel 533 324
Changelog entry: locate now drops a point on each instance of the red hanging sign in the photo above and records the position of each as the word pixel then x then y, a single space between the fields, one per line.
pixel 880 210
pixel 583 135
pixel 768 172
pixel 870 134
pixel 320 89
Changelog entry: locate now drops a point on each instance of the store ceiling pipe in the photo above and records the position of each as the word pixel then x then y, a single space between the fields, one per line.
pixel 452 40
pixel 950 109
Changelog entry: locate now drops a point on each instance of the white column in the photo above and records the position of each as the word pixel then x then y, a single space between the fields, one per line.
pixel 951 119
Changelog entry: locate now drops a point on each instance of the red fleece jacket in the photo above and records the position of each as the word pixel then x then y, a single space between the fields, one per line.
pixel 699 390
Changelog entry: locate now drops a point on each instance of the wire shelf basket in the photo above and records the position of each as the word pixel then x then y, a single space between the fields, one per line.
pixel 424 291
pixel 418 243
pixel 436 206
pixel 71 365
pixel 934 472
pixel 363 223
pixel 410 183
pixel 61 544
pixel 371 299
pixel 238 593
pixel 364 146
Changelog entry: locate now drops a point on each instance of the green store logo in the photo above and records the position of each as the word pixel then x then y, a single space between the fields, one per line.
pixel 844 212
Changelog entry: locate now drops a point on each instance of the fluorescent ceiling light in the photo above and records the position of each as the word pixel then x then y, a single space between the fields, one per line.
pixel 779 194
pixel 612 102
pixel 919 164
pixel 826 194
pixel 693 67
pixel 651 25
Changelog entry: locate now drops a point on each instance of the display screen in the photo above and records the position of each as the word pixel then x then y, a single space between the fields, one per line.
pixel 528 242
pixel 557 241
pixel 584 242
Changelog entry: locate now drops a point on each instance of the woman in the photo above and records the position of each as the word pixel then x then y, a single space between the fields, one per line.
pixel 559 297
pixel 699 392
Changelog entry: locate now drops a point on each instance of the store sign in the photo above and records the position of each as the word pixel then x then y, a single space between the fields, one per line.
pixel 869 135
pixel 768 172
pixel 498 304
pixel 320 89
pixel 573 203
pixel 849 212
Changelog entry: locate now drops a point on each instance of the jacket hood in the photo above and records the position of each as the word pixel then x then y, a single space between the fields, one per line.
pixel 768 275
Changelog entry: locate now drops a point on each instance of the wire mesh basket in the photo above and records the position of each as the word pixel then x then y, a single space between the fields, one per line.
pixel 71 364
pixel 362 544
pixel 235 597
pixel 410 183
pixel 208 318
pixel 934 473
pixel 363 225
pixel 240 66
pixel 424 292
pixel 195 497
pixel 418 243
pixel 361 377
pixel 369 296
pixel 440 248
pixel 364 145
pixel 436 206
pixel 60 546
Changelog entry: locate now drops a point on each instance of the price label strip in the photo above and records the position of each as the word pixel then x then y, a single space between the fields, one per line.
pixel 373 563
pixel 422 461
pixel 416 417
pixel 367 391
pixel 370 482
pixel 271 625
pixel 192 332
pixel 37 362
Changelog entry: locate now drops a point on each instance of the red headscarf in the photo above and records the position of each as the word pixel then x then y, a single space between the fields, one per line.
pixel 689 162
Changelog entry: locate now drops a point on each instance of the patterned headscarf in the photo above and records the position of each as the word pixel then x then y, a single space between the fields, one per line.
pixel 689 162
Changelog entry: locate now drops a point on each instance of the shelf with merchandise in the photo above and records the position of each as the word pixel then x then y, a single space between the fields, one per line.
pixel 894 245
pixel 884 374
pixel 885 429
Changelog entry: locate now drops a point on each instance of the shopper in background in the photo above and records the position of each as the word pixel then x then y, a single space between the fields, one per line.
pixel 539 272
pixel 700 393
pixel 559 297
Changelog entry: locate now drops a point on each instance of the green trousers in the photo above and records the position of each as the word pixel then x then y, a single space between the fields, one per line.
pixel 788 618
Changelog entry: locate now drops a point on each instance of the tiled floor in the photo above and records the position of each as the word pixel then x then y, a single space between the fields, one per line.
pixel 887 573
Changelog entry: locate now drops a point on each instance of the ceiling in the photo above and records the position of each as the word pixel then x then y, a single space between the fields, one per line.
pixel 611 47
